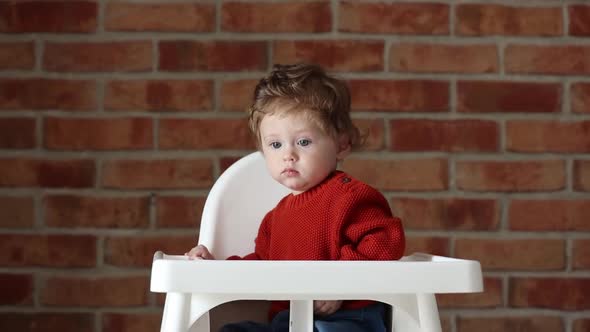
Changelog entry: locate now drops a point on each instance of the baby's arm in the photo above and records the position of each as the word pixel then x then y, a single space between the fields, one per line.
pixel 370 231
pixel 199 252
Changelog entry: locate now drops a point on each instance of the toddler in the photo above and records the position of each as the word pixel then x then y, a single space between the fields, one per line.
pixel 300 117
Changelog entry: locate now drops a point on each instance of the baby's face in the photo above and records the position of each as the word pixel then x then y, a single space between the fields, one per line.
pixel 298 154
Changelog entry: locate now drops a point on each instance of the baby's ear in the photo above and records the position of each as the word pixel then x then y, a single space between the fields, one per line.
pixel 344 147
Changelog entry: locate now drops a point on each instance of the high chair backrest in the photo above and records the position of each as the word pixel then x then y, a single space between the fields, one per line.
pixel 229 225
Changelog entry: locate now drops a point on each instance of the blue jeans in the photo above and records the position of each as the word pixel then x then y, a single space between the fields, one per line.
pixel 367 319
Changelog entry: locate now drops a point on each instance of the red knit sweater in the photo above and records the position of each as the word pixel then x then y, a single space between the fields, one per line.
pixel 339 219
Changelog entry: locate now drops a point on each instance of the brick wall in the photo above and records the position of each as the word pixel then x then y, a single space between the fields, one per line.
pixel 116 117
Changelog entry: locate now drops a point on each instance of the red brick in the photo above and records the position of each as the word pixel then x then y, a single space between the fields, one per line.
pixel 444 135
pixel 47 322
pixel 426 244
pixel 133 251
pixel 551 293
pixel 159 95
pixel 580 96
pixel 107 56
pixel 179 211
pixel 226 162
pixel 582 175
pixel 394 18
pixel 498 254
pixel 118 322
pixel 501 97
pixel 237 95
pixel 410 175
pixel 17 212
pixel 508 176
pixel 48 250
pixel 549 215
pixel 334 55
pixel 552 60
pixel 581 325
pixel 446 323
pixel 510 324
pixel 400 96
pixel 18 133
pixel 548 136
pixel 491 297
pixel 98 133
pixel 18 289
pixel 48 16
pixel 447 213
pixel 443 58
pixel 183 17
pixel 17 55
pixel 47 94
pixel 286 17
pixel 160 299
pixel 73 211
pixel 158 174
pixel 29 172
pixel 486 20
pixel 96 291
pixel 212 55
pixel 205 134
pixel 581 254
pixel 373 133
pixel 579 20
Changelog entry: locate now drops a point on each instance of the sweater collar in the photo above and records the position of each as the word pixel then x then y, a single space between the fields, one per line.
pixel 294 201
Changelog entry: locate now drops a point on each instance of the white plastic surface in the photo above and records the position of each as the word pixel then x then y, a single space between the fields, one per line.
pixel 235 206
pixel 233 210
pixel 310 279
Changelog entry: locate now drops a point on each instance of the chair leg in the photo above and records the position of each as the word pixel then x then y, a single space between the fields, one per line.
pixel 202 324
pixel 176 313
pixel 187 312
pixel 414 313
pixel 301 316
pixel 428 311
pixel 200 305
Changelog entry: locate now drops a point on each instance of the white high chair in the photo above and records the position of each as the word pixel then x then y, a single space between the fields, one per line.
pixel 233 210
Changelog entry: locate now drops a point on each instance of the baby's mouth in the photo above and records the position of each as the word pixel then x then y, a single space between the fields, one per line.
pixel 289 172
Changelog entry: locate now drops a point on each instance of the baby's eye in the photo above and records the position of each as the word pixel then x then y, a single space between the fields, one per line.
pixel 275 145
pixel 304 142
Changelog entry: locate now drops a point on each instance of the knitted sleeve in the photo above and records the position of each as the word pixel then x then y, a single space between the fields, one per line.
pixel 263 238
pixel 369 231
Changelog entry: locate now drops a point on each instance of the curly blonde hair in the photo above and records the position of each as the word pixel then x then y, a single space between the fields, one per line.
pixel 305 89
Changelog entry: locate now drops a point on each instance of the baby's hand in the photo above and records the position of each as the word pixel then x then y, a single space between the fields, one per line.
pixel 324 308
pixel 199 252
